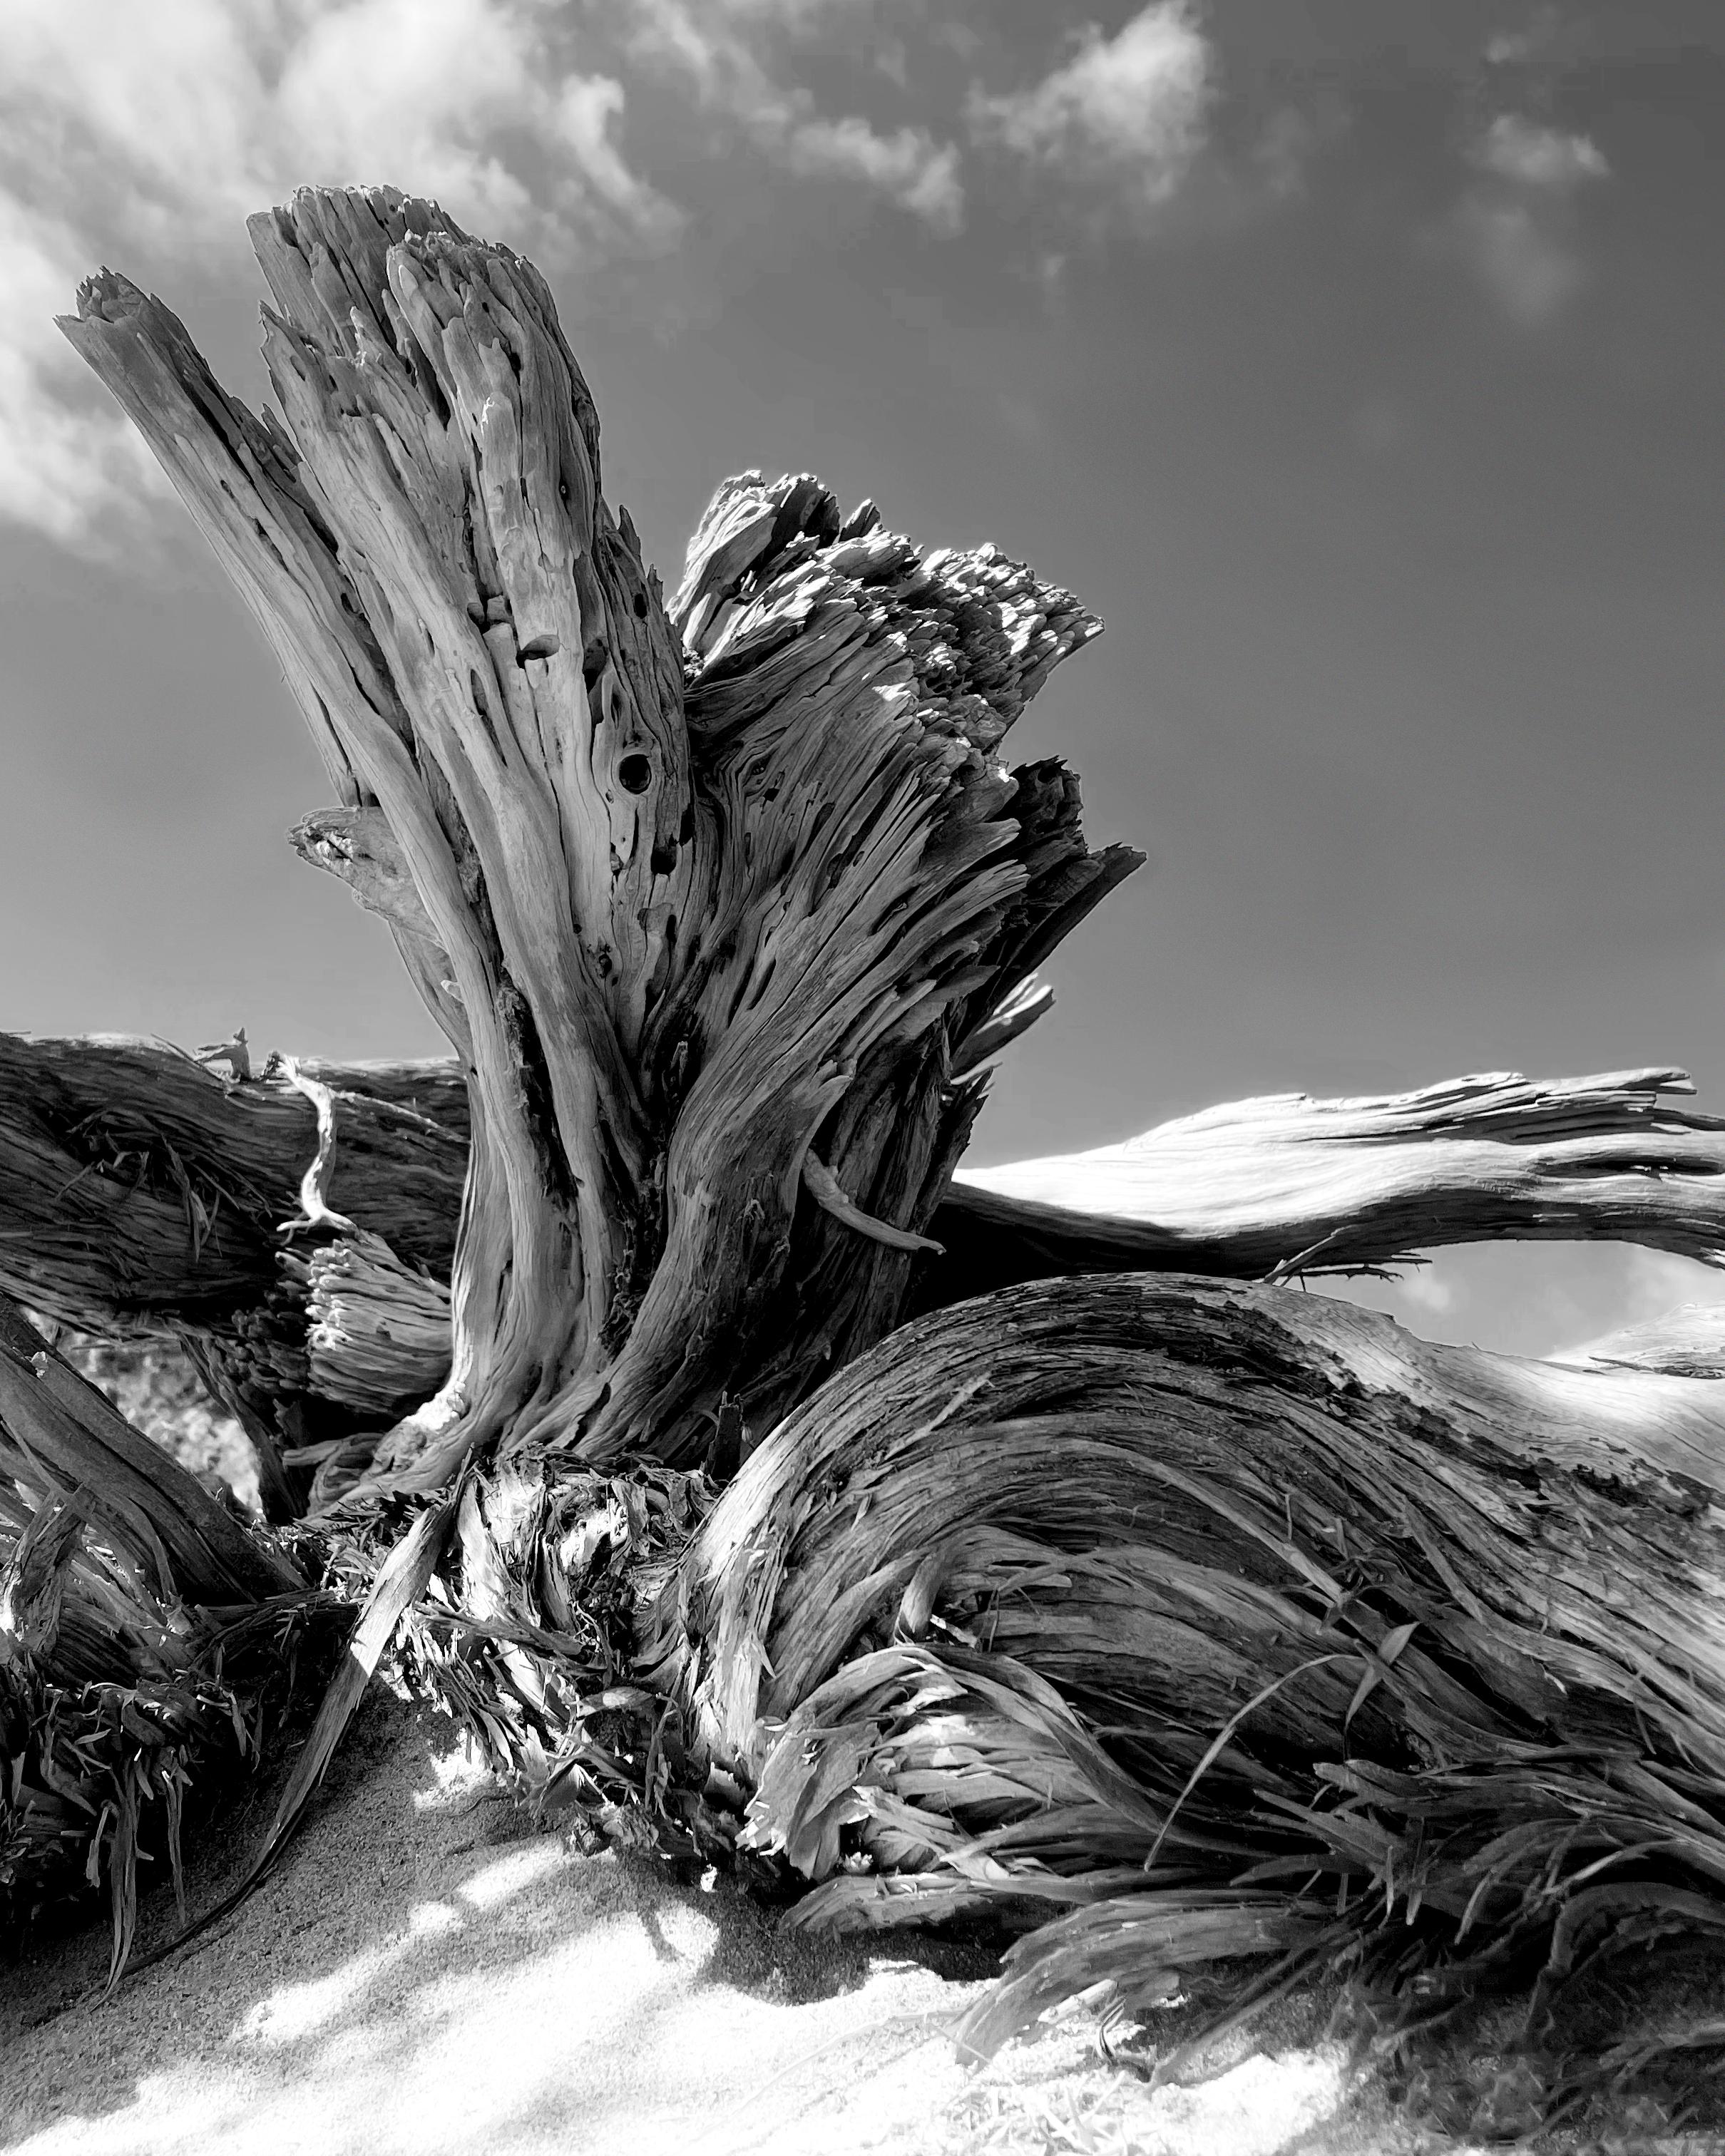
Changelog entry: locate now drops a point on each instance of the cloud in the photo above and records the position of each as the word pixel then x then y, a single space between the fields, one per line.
pixel 1518 225
pixel 67 453
pixel 1531 272
pixel 714 46
pixel 1129 110
pixel 1530 156
pixel 1516 48
pixel 156 129
pixel 907 166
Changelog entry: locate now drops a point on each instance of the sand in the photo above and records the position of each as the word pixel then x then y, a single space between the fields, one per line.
pixel 429 1972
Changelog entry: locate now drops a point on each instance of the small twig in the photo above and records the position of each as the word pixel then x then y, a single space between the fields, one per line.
pixel 824 1187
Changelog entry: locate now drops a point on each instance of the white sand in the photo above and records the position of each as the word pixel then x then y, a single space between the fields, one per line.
pixel 424 1974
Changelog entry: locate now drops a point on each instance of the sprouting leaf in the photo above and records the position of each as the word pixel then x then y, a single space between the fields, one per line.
pixel 1377 1665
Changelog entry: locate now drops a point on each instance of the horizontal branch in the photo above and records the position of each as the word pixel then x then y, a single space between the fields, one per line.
pixel 138 1190
pixel 1287 1184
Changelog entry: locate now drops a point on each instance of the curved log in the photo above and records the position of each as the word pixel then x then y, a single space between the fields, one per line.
pixel 1228 1618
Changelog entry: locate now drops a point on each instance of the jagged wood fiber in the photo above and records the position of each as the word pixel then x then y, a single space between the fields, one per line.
pixel 691 911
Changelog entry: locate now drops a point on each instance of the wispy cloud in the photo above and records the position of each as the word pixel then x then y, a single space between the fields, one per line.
pixel 155 128
pixel 1543 158
pixel 719 48
pixel 1534 38
pixel 1518 222
pixel 66 458
pixel 1127 112
pixel 907 166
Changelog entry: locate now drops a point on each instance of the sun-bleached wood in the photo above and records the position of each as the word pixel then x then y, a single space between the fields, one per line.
pixel 693 893
pixel 725 908
pixel 1287 1184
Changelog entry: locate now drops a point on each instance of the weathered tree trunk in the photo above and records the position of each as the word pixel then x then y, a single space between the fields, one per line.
pixel 710 921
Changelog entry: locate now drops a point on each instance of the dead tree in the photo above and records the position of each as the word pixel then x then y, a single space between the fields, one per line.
pixel 709 902
pixel 1190 1609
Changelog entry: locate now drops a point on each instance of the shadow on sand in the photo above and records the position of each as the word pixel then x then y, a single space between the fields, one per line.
pixel 426 1971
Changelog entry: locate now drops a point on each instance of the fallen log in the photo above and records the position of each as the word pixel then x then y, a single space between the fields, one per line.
pixel 1236 1622
pixel 139 1190
pixel 1287 1185
pixel 137 1187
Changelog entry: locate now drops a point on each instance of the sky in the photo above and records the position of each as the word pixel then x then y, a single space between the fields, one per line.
pixel 1358 360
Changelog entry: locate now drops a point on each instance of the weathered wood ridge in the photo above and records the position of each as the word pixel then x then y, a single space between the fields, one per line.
pixel 1189 1609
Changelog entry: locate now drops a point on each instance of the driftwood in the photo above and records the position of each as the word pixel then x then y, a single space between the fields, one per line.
pixel 1208 1610
pixel 1290 1185
pixel 139 1190
pixel 1181 1612
pixel 691 907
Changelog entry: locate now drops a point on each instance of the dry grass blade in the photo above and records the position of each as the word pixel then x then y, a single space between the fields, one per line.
pixel 121 1704
pixel 1140 1947
pixel 1218 1743
pixel 400 1581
